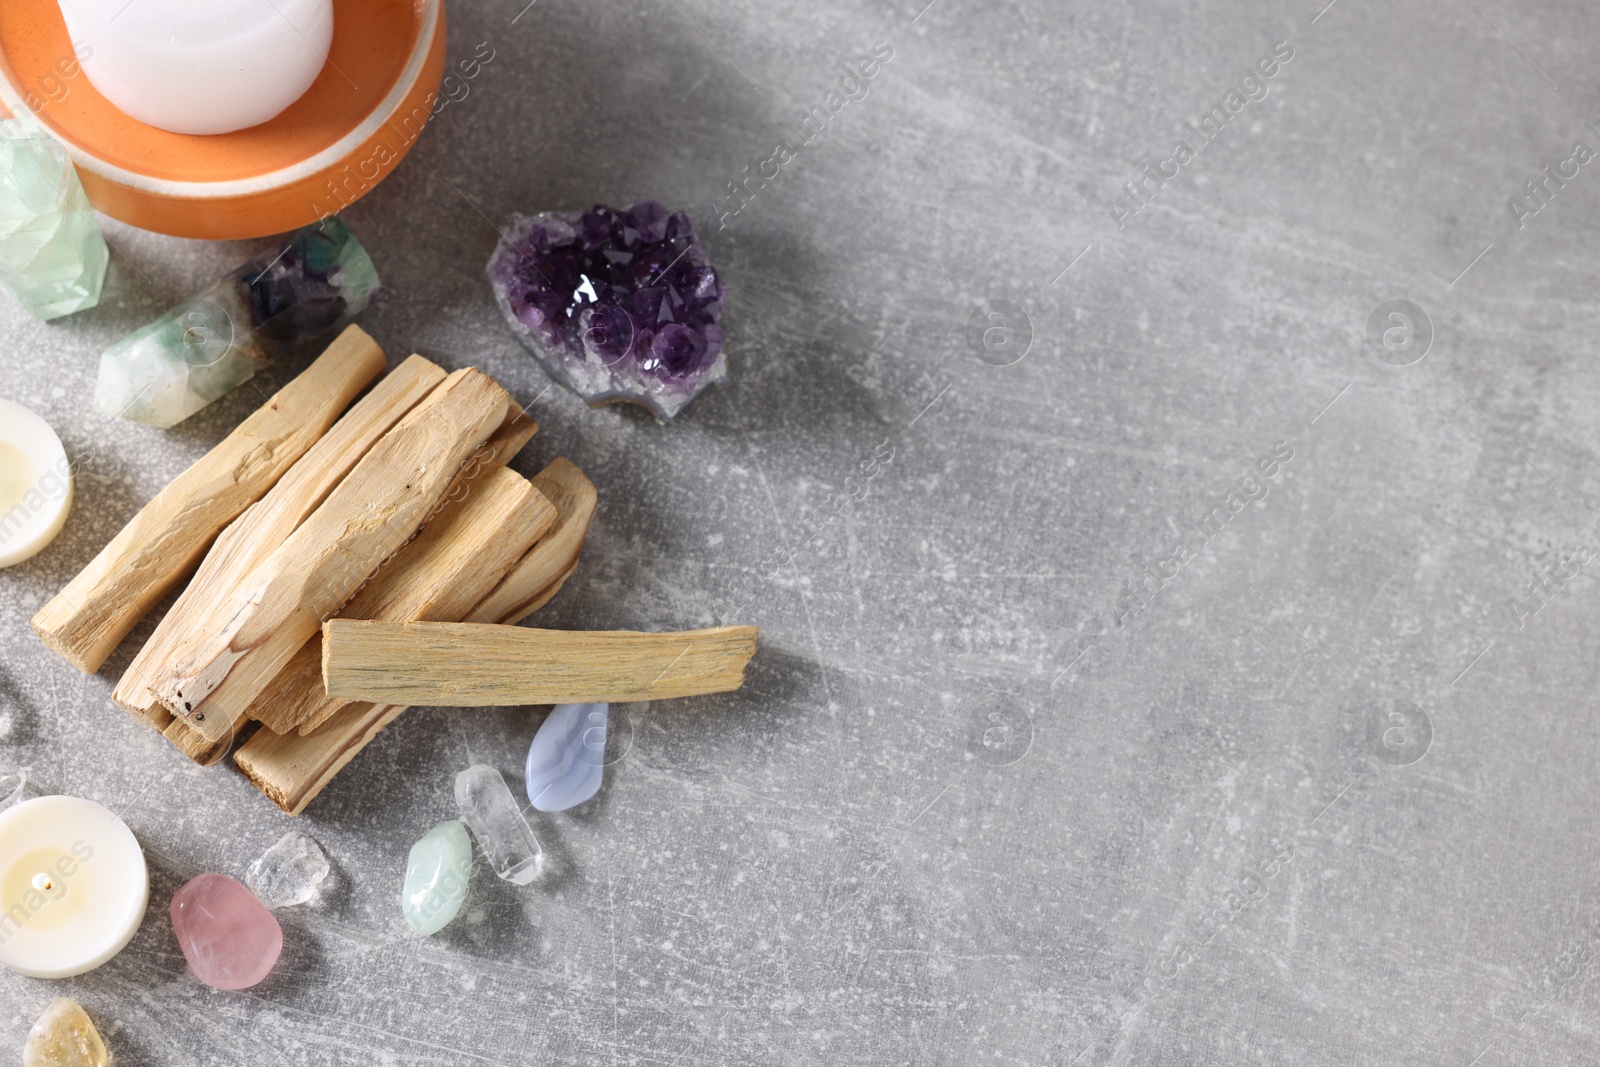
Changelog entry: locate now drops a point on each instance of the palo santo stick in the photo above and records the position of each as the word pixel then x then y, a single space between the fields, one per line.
pixel 265 525
pixel 500 449
pixel 253 633
pixel 165 540
pixel 292 769
pixel 453 563
pixel 547 595
pixel 512 435
pixel 543 571
pixel 507 441
pixel 465 664
pixel 195 745
pixel 574 497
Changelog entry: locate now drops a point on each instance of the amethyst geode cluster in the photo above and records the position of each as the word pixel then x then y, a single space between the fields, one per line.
pixel 619 305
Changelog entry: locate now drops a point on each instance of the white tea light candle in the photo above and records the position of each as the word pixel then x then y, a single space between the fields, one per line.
pixel 35 483
pixel 201 66
pixel 73 886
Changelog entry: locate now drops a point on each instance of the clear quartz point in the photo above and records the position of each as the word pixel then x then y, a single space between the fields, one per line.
pixel 496 820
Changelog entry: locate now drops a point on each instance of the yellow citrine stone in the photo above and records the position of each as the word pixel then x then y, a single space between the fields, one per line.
pixel 64 1036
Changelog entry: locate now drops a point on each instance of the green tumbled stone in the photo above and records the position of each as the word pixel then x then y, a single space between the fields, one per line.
pixel 437 873
pixel 52 257
pixel 213 343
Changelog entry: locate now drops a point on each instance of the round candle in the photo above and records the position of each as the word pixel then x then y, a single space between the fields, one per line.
pixel 35 483
pixel 201 66
pixel 73 886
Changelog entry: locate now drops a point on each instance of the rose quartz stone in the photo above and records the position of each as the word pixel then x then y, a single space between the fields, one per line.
pixel 228 936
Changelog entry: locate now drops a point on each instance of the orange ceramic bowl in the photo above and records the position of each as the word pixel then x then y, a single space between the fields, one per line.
pixel 325 151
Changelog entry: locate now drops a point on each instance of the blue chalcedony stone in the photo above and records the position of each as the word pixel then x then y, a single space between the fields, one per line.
pixel 566 761
pixel 437 873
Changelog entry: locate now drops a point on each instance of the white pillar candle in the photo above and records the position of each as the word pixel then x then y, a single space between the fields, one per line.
pixel 73 886
pixel 35 483
pixel 201 66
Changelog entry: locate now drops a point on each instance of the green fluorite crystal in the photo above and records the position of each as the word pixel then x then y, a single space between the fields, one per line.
pixel 162 373
pixel 52 257
pixel 211 344
pixel 437 872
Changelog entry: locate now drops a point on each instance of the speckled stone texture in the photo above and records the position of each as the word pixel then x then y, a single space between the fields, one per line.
pixel 958 815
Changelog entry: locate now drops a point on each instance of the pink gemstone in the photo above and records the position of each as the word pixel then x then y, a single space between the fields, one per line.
pixel 228 936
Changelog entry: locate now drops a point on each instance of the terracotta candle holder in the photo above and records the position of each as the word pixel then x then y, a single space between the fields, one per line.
pixel 325 151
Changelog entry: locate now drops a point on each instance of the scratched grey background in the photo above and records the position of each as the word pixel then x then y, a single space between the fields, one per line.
pixel 1325 799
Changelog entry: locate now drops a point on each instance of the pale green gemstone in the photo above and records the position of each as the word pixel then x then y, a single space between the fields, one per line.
pixel 211 344
pixel 162 373
pixel 437 873
pixel 52 257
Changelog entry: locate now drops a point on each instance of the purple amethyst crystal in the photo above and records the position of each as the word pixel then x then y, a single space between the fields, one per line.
pixel 619 305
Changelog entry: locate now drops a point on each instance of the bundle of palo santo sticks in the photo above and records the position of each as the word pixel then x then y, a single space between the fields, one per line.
pixel 399 513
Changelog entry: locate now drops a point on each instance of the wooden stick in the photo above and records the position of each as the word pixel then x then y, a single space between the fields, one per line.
pixel 513 434
pixel 265 525
pixel 252 634
pixel 546 596
pixel 542 572
pixel 466 664
pixel 500 449
pixel 165 540
pixel 574 497
pixel 197 746
pixel 292 769
pixel 453 563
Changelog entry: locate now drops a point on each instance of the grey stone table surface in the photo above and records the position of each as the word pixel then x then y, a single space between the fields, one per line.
pixel 1171 689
